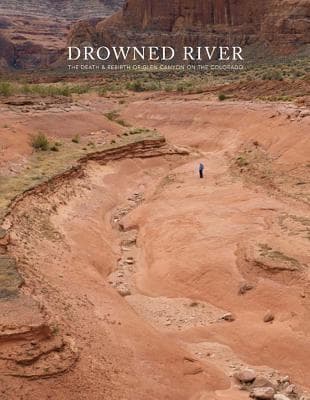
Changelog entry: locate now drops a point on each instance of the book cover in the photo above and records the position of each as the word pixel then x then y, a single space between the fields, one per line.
pixel 154 199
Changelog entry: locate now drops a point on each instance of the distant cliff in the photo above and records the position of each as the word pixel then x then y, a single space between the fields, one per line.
pixel 279 25
pixel 33 33
pixel 66 9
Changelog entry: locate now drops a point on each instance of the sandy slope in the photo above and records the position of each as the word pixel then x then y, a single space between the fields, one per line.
pixel 197 243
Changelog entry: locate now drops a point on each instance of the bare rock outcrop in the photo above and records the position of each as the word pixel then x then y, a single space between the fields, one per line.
pixel 264 393
pixel 6 52
pixel 30 346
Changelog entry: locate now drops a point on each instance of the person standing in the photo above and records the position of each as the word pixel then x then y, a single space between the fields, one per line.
pixel 201 170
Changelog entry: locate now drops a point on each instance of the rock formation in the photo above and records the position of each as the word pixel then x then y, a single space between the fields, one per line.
pixel 281 25
pixel 32 34
pixel 6 52
pixel 66 9
pixel 39 31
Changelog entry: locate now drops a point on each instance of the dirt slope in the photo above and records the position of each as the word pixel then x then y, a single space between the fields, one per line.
pixel 139 261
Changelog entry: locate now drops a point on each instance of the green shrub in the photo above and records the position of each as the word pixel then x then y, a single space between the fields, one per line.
pixel 79 89
pixel 136 86
pixel 102 91
pixel 180 87
pixel 168 88
pixel 273 76
pixel 62 91
pixel 26 89
pixel 138 131
pixel 40 142
pixel 241 161
pixel 222 97
pixel 6 89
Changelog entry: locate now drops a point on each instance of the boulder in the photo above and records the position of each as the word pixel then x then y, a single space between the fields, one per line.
pixel 261 381
pixel 304 114
pixel 245 287
pixel 264 393
pixel 269 317
pixel 284 379
pixel 228 317
pixel 123 291
pixel 291 389
pixel 246 375
pixel 280 396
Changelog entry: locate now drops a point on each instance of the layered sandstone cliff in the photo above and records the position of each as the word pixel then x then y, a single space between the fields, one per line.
pixel 281 25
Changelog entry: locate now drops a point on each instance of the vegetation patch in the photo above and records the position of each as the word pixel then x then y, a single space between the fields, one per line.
pixel 275 255
pixel 40 142
pixel 242 161
pixel 43 165
pixel 222 97
pixel 76 139
pixel 115 117
pixel 43 90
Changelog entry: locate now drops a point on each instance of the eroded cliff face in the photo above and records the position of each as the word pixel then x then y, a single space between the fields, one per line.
pixel 281 25
pixel 6 53
pixel 188 14
pixel 66 9
pixel 38 32
pixel 33 34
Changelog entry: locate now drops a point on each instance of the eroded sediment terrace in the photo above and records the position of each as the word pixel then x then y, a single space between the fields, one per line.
pixel 154 283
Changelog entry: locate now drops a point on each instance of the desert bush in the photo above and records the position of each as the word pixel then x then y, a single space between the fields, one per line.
pixel 54 148
pixel 40 142
pixel 168 88
pixel 79 89
pixel 184 86
pixel 273 76
pixel 138 131
pixel 136 86
pixel 241 161
pixel 76 138
pixel 102 91
pixel 52 90
pixel 122 123
pixel 222 97
pixel 6 89
pixel 112 115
